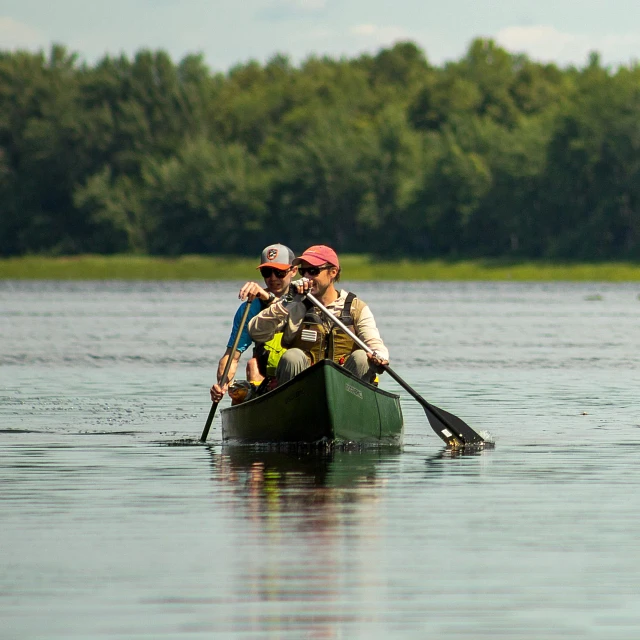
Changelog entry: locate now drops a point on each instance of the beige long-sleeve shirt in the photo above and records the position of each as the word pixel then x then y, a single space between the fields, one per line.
pixel 288 317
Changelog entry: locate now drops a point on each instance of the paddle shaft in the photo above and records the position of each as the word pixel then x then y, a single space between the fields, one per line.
pixel 468 437
pixel 339 323
pixel 214 406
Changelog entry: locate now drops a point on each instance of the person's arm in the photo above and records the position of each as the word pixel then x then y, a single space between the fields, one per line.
pixel 253 371
pixel 232 367
pixel 367 331
pixel 253 290
pixel 269 321
pixel 218 389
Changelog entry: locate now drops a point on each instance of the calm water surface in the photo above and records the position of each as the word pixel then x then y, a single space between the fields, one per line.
pixel 116 523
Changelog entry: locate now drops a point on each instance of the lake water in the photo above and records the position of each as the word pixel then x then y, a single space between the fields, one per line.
pixel 115 522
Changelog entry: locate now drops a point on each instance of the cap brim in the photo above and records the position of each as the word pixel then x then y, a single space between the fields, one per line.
pixel 312 260
pixel 276 265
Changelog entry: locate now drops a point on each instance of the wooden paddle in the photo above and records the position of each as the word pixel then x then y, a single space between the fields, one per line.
pixel 214 406
pixel 454 431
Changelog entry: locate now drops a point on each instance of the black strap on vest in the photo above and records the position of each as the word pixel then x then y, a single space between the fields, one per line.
pixel 345 316
pixel 313 315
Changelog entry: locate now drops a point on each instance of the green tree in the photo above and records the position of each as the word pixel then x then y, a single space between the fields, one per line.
pixel 320 183
pixel 116 211
pixel 451 193
pixel 592 179
pixel 40 138
pixel 208 198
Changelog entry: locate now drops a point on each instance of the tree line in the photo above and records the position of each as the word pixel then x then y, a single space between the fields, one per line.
pixel 492 155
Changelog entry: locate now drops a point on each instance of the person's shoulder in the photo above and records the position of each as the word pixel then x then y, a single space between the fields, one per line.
pixel 355 298
pixel 258 306
pixel 357 307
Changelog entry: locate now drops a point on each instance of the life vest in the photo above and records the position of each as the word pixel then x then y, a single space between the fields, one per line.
pixel 322 339
pixel 268 353
pixel 272 351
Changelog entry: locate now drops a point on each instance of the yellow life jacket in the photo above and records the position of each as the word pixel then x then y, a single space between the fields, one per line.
pixel 269 353
pixel 321 339
pixel 274 351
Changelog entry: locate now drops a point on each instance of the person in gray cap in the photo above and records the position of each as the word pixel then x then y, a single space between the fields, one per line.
pixel 276 267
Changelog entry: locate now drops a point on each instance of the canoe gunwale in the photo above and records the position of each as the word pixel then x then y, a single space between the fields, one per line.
pixel 309 372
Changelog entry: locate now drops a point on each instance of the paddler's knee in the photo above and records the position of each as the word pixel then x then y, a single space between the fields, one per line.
pixel 293 362
pixel 358 364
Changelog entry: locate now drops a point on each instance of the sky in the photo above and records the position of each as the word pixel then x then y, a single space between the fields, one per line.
pixel 231 32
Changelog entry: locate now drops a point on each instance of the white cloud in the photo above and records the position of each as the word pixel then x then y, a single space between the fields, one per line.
pixel 17 35
pixel 369 37
pixel 362 35
pixel 364 29
pixel 548 44
pixel 381 36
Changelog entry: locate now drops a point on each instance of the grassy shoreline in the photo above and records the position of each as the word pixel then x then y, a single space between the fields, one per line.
pixel 126 267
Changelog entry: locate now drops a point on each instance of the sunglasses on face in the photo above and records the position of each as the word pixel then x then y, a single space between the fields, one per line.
pixel 312 271
pixel 279 273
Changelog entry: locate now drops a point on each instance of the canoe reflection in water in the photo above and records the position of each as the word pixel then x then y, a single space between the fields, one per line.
pixel 299 518
pixel 294 476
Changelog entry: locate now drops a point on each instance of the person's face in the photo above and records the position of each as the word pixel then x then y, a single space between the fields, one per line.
pixel 277 280
pixel 321 277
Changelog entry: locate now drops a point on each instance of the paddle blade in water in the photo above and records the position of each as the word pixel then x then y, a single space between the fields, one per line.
pixel 454 431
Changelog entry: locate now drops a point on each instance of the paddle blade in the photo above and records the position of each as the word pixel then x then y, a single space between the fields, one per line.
pixel 454 431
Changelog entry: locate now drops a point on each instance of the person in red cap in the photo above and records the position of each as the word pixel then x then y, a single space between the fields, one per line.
pixel 277 269
pixel 309 336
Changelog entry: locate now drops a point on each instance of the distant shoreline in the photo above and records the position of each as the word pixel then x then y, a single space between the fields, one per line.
pixel 127 267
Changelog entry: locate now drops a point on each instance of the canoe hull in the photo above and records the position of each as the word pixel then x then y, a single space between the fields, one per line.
pixel 324 402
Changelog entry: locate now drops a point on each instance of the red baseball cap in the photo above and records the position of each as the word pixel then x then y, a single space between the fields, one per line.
pixel 317 255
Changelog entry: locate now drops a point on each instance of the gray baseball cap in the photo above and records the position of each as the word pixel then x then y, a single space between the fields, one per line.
pixel 276 255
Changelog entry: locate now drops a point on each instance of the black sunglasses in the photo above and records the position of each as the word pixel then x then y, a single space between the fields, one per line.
pixel 279 273
pixel 312 271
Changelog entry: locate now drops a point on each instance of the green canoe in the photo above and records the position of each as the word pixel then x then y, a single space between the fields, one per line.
pixel 323 403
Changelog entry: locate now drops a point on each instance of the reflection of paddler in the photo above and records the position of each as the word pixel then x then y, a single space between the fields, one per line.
pixel 272 486
pixel 296 509
pixel 302 469
pixel 289 467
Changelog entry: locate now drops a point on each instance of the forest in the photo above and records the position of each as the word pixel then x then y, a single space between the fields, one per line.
pixel 492 155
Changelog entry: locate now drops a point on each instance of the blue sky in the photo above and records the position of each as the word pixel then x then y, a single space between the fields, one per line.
pixel 228 32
